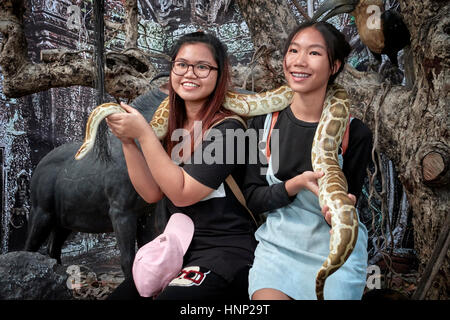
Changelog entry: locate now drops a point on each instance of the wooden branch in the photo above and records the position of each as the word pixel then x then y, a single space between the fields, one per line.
pixel 435 169
pixel 300 9
pixel 14 51
pixel 114 25
pixel 128 73
pixel 267 16
pixel 36 77
pixel 131 74
pixel 139 52
pixel 61 55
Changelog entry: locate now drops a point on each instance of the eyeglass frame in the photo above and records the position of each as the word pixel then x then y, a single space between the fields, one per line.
pixel 193 68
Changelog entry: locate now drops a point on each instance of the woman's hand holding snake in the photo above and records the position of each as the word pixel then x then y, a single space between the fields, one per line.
pixel 128 126
pixel 308 180
pixel 327 213
pixel 305 180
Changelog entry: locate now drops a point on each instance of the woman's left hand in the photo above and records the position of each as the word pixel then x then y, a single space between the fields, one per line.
pixel 127 126
pixel 327 213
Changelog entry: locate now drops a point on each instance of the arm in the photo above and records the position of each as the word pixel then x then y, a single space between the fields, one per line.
pixel 204 176
pixel 259 195
pixel 139 173
pixel 305 180
pixel 176 184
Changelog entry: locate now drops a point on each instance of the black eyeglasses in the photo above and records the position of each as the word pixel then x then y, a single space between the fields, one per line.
pixel 201 70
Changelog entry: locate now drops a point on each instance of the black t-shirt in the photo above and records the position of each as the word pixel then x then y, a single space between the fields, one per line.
pixel 295 143
pixel 224 231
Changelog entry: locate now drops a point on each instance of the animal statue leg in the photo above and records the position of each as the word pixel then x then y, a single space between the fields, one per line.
pixel 147 225
pixel 56 241
pixel 39 227
pixel 124 224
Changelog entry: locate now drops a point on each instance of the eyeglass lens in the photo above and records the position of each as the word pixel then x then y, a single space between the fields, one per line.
pixel 201 70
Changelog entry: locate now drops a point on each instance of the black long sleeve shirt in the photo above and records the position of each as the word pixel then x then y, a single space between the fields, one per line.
pixel 295 143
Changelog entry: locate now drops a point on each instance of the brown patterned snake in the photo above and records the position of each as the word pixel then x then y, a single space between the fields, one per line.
pixel 246 105
pixel 333 185
pixel 324 155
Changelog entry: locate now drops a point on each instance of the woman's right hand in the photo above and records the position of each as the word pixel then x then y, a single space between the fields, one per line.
pixel 127 126
pixel 305 180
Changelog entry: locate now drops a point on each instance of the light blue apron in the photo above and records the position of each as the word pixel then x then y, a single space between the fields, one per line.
pixel 294 243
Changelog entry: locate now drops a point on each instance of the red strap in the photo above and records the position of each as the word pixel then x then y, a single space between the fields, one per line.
pixel 345 138
pixel 272 124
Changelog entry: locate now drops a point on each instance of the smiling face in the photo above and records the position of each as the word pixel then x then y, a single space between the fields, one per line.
pixel 306 65
pixel 189 87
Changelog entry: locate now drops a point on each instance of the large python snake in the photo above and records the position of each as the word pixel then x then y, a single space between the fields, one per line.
pixel 324 156
pixel 333 186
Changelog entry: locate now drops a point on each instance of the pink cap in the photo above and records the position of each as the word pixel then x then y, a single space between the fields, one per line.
pixel 160 260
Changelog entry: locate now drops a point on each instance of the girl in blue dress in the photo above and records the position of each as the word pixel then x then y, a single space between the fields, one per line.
pixel 294 239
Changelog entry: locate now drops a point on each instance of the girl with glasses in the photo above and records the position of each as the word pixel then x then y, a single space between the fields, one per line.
pixel 216 262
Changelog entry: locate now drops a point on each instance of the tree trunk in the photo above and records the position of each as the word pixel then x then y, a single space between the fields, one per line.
pixel 270 23
pixel 409 125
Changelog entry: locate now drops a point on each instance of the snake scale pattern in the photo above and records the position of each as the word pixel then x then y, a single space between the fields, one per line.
pixel 324 156
pixel 333 186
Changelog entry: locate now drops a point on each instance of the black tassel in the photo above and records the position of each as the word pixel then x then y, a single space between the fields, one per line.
pixel 101 147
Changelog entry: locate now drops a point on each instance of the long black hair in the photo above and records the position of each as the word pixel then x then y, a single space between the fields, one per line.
pixel 338 48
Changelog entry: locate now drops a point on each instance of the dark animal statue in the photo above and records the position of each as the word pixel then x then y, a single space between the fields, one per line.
pixel 89 196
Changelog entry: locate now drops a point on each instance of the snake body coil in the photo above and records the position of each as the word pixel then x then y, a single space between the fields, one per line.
pixel 333 185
